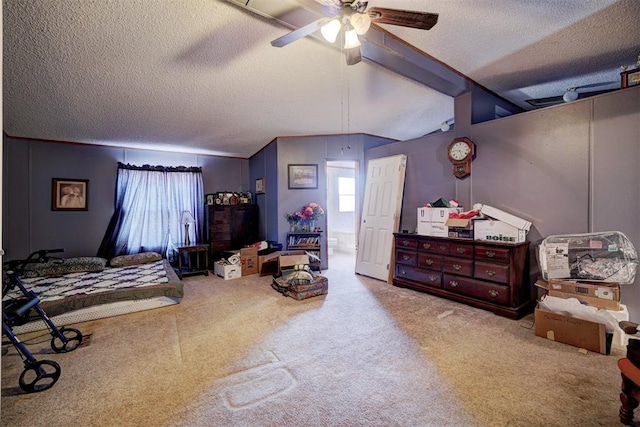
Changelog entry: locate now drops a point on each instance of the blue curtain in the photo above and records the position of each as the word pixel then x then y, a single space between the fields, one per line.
pixel 149 204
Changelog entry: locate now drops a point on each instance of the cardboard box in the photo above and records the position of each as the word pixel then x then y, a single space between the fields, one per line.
pixel 497 231
pixel 432 229
pixel 599 295
pixel 249 261
pixel 269 264
pixel 573 331
pixel 227 271
pixel 431 221
pixel 503 216
pixel 288 261
pixel 460 228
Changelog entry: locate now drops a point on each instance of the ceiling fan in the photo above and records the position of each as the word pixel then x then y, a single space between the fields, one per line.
pixel 353 19
pixel 572 94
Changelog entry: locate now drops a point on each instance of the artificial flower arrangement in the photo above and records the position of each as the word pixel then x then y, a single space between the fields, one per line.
pixel 303 218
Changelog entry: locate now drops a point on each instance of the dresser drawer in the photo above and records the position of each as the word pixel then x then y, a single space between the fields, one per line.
pixel 426 277
pixel 406 257
pixel 492 253
pixel 429 245
pixel 491 292
pixel 222 245
pixel 461 266
pixel 461 249
pixel 431 261
pixel 404 242
pixel 494 272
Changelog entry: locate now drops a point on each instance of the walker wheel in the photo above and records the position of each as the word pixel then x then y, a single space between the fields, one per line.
pixel 73 339
pixel 39 376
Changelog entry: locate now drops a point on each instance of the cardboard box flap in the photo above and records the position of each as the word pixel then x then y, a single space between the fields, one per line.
pixel 506 217
pixel 458 222
pixel 287 261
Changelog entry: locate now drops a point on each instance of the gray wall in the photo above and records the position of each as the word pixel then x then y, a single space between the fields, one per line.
pixel 29 223
pixel 571 168
pixel 272 163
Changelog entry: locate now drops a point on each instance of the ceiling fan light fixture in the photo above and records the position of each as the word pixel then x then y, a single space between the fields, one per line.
pixel 330 30
pixel 570 95
pixel 351 38
pixel 360 22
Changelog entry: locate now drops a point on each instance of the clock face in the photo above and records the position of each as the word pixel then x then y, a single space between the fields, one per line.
pixel 459 150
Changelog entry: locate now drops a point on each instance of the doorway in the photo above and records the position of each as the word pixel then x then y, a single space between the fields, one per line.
pixel 342 212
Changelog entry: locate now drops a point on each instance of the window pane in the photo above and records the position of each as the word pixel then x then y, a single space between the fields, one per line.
pixel 346 194
pixel 346 186
pixel 347 203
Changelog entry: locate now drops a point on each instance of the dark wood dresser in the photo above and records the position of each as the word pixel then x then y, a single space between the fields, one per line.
pixel 487 275
pixel 231 227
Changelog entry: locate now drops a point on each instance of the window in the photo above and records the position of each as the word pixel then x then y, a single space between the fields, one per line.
pixel 346 194
pixel 150 201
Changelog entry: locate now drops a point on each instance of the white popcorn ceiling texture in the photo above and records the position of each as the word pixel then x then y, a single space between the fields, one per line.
pixel 201 76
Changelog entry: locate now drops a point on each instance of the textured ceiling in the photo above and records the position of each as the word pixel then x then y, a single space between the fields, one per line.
pixel 201 76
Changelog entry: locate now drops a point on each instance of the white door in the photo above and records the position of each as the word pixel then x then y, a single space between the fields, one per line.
pixel 381 208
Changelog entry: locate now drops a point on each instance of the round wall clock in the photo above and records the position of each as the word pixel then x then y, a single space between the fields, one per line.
pixel 461 152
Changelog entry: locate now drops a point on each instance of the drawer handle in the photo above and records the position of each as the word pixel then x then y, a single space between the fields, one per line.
pixel 460 250
pixel 490 254
pixel 493 293
pixel 403 272
pixel 490 273
pixel 457 267
pixel 453 283
pixel 429 262
pixel 443 248
pixel 406 257
pixel 433 278
pixel 426 245
pixel 405 243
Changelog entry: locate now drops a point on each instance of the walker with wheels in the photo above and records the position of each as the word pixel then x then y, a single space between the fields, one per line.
pixel 38 375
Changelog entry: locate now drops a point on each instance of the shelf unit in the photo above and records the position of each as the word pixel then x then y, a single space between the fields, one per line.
pixel 310 242
pixel 231 227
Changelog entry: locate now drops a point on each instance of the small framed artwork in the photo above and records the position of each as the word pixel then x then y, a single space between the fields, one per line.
pixel 630 77
pixel 303 176
pixel 69 194
pixel 260 188
pixel 210 199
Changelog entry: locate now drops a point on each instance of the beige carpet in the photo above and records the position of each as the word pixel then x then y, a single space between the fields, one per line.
pixel 236 353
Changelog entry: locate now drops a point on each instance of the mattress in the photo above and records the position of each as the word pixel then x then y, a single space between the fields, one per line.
pixel 78 297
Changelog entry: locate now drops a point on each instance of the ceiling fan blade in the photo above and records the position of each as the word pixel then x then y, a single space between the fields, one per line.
pixel 353 55
pixel 403 18
pixel 298 34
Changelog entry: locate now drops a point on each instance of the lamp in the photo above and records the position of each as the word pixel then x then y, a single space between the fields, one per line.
pixel 186 219
pixel 330 30
pixel 361 22
pixel 350 38
pixel 570 95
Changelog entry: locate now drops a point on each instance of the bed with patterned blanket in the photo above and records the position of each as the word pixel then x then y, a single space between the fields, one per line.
pixel 89 293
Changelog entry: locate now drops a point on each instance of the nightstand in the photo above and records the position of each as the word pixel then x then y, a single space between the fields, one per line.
pixel 193 259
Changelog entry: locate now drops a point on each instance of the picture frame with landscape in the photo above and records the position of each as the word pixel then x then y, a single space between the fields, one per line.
pixel 303 176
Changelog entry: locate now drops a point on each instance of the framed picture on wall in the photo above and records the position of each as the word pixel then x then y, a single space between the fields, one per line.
pixel 303 177
pixel 69 194
pixel 630 77
pixel 260 188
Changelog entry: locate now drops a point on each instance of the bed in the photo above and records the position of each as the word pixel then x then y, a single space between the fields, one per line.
pixel 89 291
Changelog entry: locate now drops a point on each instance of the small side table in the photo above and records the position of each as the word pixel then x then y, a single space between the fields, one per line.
pixel 196 260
